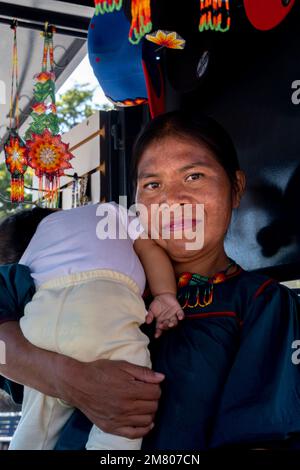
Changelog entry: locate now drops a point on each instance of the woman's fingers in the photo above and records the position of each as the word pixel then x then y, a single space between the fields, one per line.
pixel 134 427
pixel 142 408
pixel 144 374
pixel 140 414
pixel 113 394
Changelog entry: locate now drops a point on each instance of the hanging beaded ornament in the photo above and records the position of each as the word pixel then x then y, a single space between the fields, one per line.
pixel 214 15
pixel 196 290
pixel 107 6
pixel 141 23
pixel 14 147
pixel 169 39
pixel 47 154
pixel 140 20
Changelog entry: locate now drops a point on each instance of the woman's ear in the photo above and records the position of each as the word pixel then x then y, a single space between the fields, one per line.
pixel 239 188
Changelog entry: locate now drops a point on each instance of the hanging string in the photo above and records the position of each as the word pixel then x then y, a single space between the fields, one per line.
pixel 14 147
pixel 75 191
pixel 14 81
pixel 48 48
pixel 83 199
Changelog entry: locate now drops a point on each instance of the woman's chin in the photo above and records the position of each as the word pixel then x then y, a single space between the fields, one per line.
pixel 178 249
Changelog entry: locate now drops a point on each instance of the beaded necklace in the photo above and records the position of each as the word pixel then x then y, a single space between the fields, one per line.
pixel 199 287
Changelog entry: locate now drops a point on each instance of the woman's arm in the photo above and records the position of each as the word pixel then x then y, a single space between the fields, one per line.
pixel 118 397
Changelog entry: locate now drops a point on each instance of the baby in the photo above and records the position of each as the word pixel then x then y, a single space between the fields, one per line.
pixel 88 303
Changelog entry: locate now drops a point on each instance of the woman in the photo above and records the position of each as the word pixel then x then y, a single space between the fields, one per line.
pixel 229 377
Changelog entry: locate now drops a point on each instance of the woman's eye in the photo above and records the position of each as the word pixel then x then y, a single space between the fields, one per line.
pixel 152 185
pixel 195 176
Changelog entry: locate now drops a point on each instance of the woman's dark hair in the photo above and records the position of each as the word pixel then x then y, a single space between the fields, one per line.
pixel 201 128
pixel 17 230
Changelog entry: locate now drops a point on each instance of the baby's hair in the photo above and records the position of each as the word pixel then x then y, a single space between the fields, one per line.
pixel 17 230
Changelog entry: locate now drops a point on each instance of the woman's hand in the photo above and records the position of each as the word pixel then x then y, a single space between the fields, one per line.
pixel 119 397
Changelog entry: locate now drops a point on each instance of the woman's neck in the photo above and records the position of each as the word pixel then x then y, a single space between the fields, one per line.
pixel 206 264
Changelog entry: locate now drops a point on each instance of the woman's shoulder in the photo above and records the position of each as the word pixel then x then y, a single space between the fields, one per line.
pixel 11 272
pixel 262 291
pixel 16 289
pixel 256 281
pixel 244 285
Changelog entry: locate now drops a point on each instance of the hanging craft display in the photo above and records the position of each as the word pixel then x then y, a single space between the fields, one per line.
pixel 141 23
pixel 115 62
pixel 128 75
pixel 169 39
pixel 16 162
pixel 140 20
pixel 214 15
pixel 14 147
pixel 107 6
pixel 49 157
pixel 47 154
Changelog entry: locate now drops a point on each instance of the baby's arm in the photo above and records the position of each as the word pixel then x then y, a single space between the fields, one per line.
pixel 161 278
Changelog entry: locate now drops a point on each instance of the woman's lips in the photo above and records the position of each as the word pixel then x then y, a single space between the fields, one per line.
pixel 181 225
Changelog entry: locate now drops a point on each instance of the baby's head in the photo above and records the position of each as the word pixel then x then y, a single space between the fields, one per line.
pixel 17 230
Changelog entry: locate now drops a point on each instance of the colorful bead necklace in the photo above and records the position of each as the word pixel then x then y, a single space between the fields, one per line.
pixel 202 287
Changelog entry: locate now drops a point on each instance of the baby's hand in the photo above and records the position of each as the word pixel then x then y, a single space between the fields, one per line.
pixel 166 310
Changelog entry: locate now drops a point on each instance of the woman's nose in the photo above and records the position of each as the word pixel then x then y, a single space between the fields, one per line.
pixel 175 195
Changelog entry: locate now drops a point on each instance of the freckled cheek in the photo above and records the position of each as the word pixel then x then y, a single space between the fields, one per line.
pixel 146 198
pixel 217 211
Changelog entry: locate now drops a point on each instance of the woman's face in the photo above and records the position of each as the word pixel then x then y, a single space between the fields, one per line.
pixel 181 171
